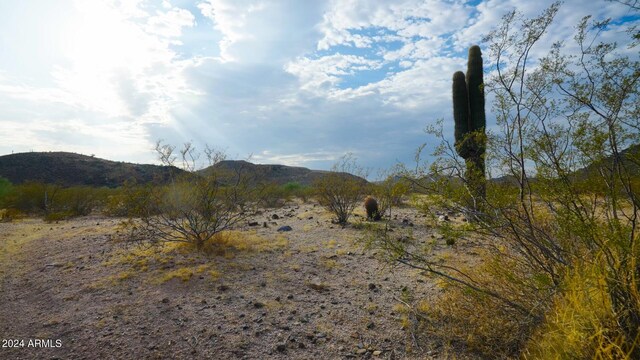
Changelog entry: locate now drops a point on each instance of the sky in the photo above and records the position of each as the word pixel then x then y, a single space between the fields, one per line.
pixel 294 82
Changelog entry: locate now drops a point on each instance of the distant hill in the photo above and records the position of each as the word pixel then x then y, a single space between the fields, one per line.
pixel 70 169
pixel 630 158
pixel 278 174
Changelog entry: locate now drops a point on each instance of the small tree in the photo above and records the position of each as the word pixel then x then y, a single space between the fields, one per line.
pixel 340 191
pixel 194 206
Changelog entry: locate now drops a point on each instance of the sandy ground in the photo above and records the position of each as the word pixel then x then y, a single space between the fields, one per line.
pixel 312 292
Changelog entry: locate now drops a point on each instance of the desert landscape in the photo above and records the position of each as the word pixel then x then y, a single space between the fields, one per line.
pixel 363 179
pixel 312 292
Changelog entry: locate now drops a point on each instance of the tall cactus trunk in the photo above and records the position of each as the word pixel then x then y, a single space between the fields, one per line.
pixel 470 123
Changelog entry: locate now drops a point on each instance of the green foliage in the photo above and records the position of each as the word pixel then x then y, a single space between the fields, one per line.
pixel 5 189
pixel 128 201
pixel 389 193
pixel 32 197
pixel 273 195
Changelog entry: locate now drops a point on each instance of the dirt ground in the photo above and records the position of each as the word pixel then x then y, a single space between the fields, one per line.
pixel 312 292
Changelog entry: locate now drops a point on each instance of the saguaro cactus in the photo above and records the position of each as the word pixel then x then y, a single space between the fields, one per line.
pixel 470 122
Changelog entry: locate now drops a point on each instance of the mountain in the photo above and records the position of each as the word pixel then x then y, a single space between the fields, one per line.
pixel 278 174
pixel 630 158
pixel 70 169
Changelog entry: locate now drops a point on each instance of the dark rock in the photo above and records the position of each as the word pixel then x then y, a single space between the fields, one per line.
pixel 254 223
pixel 275 217
pixel 285 228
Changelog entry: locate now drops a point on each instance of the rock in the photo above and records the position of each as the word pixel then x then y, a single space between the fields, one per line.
pixel 264 224
pixel 281 347
pixel 254 223
pixel 165 300
pixel 361 351
pixel 372 286
pixel 442 218
pixel 223 288
pixel 275 217
pixel 377 353
pixel 258 305
pixel 371 325
pixel 284 228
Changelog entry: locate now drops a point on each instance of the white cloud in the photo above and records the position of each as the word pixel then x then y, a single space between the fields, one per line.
pixel 169 24
pixel 294 82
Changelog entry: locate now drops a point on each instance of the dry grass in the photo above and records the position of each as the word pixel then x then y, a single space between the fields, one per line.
pixel 176 260
pixel 581 323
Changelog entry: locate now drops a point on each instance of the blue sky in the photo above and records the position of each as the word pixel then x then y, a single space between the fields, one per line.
pixel 283 81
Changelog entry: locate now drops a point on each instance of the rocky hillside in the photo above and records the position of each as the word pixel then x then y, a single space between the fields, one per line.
pixel 278 174
pixel 69 169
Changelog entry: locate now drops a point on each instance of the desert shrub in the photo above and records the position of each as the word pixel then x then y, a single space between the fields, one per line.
pixel 273 195
pixel 194 207
pixel 80 200
pixel 5 189
pixel 390 193
pixel 340 191
pixel 295 189
pixel 33 197
pixel 554 237
pixel 128 201
pixel 56 216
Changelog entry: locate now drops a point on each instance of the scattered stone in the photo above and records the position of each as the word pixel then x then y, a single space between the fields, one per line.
pixel 377 353
pixel 285 228
pixel 289 297
pixel 372 286
pixel 264 224
pixel 165 300
pixel 361 351
pixel 254 223
pixel 281 347
pixel 317 286
pixel 371 325
pixel 442 218
pixel 275 217
pixel 258 305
